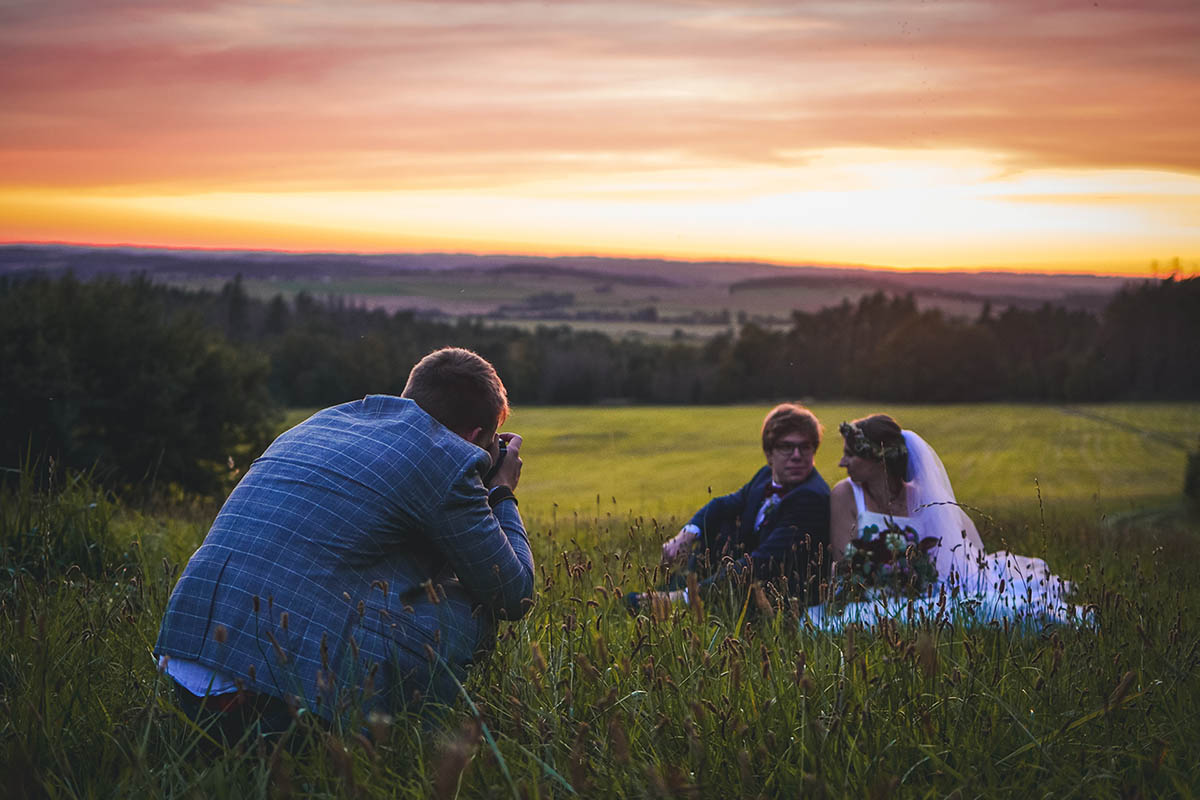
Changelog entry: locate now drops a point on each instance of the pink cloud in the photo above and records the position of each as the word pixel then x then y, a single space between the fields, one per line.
pixel 385 92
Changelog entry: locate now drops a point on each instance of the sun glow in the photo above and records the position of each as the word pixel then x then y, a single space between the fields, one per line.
pixel 902 134
pixel 894 208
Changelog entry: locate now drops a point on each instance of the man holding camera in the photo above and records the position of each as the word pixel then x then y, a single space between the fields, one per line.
pixel 361 562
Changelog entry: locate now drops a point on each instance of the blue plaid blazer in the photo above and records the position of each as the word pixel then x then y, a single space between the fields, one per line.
pixel 356 563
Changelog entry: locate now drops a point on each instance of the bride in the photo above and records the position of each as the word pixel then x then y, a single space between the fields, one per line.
pixel 904 549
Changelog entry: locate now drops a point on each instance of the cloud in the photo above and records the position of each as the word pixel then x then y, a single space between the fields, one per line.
pixel 369 93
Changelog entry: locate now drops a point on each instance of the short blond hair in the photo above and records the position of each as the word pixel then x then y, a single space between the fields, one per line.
pixel 459 388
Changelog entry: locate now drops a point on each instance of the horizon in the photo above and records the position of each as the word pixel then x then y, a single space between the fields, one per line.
pixel 1160 270
pixel 979 136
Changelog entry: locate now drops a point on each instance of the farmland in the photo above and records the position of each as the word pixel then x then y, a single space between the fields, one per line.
pixel 581 698
pixel 649 298
pixel 613 304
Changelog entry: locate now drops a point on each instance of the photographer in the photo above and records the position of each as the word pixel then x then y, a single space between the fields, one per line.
pixel 361 562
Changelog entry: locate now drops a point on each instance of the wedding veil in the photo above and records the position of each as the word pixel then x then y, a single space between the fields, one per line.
pixel 932 503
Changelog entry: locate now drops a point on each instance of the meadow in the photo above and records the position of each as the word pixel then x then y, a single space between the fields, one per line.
pixel 731 699
pixel 664 462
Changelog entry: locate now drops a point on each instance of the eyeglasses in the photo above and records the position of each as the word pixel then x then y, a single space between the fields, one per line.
pixel 787 448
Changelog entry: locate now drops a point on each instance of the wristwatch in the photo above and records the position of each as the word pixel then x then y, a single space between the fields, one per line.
pixel 498 494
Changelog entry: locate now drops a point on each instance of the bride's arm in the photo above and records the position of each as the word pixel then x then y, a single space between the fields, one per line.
pixel 843 518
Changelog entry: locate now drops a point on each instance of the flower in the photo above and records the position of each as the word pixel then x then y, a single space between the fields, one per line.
pixel 894 559
pixel 863 447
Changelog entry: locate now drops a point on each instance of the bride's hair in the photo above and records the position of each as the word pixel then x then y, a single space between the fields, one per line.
pixel 885 437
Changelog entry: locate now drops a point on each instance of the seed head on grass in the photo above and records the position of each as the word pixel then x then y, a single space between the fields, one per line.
pixel 744 770
pixel 678 783
pixel 380 725
pixel 343 762
pixel 454 756
pixel 537 660
pixel 368 682
pixel 695 602
pixel 660 606
pixel 1120 691
pixel 695 742
pixel 884 787
pixel 366 745
pixel 927 654
pixel 578 760
pixel 801 679
pixel 280 655
pixel 761 602
pixel 655 779
pixel 280 772
pixel 430 592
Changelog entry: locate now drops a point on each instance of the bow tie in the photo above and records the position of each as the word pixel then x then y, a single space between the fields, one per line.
pixel 773 490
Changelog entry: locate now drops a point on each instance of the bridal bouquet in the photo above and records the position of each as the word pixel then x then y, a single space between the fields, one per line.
pixel 894 560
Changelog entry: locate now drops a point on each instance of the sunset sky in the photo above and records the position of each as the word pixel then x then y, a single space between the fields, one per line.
pixel 1032 134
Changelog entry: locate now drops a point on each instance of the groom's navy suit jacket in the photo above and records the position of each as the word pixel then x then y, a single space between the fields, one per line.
pixel 357 561
pixel 788 548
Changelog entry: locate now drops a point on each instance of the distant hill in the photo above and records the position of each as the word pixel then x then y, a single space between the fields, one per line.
pixel 705 285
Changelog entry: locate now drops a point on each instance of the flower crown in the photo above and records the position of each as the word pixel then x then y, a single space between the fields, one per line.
pixel 863 447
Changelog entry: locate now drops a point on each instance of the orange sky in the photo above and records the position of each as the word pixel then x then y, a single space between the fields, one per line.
pixel 1042 134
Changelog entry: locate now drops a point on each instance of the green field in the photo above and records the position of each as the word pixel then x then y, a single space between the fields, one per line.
pixel 583 699
pixel 662 462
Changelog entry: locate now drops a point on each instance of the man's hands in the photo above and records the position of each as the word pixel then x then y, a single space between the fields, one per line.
pixel 678 547
pixel 509 472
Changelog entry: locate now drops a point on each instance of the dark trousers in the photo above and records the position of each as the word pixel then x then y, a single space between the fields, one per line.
pixel 230 718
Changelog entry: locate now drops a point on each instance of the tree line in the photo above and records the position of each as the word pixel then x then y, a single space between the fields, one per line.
pixel 164 384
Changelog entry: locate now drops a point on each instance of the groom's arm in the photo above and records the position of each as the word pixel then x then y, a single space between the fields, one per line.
pixel 716 515
pixel 719 509
pixel 723 511
pixel 798 537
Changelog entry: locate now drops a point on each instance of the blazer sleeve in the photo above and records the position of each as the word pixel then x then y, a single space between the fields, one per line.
pixel 798 534
pixel 722 510
pixel 487 548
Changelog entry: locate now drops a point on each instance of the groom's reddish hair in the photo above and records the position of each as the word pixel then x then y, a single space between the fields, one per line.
pixel 788 418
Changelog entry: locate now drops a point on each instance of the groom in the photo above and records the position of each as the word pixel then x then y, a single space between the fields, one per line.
pixel 776 527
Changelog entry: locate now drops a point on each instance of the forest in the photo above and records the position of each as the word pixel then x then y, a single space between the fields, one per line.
pixel 179 386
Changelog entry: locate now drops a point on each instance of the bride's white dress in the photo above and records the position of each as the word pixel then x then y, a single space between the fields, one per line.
pixel 973 586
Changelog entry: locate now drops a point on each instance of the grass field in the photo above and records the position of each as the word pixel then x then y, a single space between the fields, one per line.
pixel 582 699
pixel 662 461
